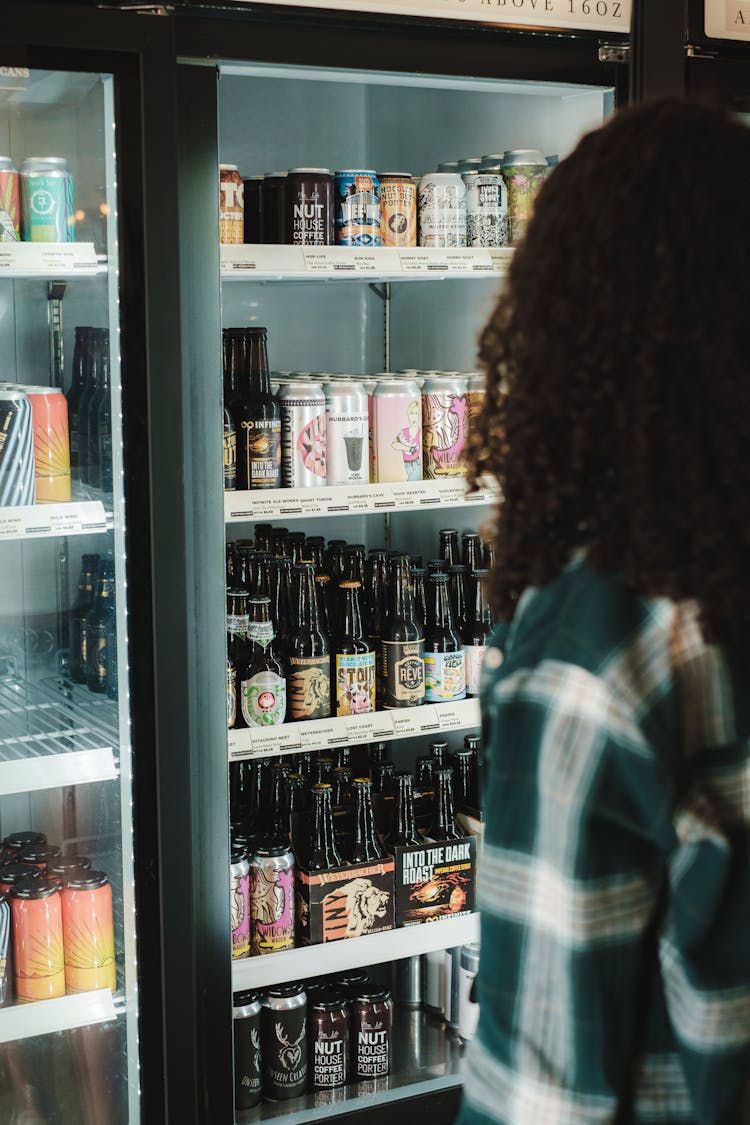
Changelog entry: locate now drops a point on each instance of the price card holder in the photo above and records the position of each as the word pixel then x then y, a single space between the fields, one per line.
pixel 47 259
pixel 369 728
pixel 37 520
pixel 469 261
pixel 450 717
pixel 275 740
pixel 324 732
pixel 424 260
pixel 276 261
pixel 501 257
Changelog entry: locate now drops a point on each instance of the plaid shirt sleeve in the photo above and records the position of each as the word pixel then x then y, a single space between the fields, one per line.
pixel 614 980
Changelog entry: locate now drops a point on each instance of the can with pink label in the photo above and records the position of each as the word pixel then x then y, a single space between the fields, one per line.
pixel 395 431
pixel 445 424
pixel 271 898
pixel 239 901
pixel 49 411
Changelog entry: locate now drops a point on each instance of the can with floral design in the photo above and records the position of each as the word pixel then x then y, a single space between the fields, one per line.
pixel 524 171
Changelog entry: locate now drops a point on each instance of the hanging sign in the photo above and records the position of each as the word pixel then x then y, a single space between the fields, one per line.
pixel 727 19
pixel 535 15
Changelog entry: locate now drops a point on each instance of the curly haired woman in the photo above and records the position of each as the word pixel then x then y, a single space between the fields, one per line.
pixel 614 983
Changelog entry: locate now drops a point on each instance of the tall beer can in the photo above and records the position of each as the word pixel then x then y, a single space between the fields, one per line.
pixel 10 202
pixel 309 207
pixel 17 481
pixel 271 899
pixel 468 1010
pixel 476 396
pixel 444 424
pixel 47 208
pixel 248 1072
pixel 347 455
pixel 49 411
pixel 6 958
pixel 38 960
pixel 486 209
pixel 231 205
pixel 303 435
pixel 357 200
pixel 88 932
pixel 253 191
pixel 239 901
pixel 398 209
pixel 524 172
pixel 442 210
pixel 395 431
pixel 284 1042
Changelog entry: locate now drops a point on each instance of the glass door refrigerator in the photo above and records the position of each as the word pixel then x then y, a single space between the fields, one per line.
pixel 92 586
pixel 351 929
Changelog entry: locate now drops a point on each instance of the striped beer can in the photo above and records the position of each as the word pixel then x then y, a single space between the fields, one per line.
pixel 17 485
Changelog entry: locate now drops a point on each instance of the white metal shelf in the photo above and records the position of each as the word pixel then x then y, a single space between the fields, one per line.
pixel 82 1009
pixel 50 260
pixel 43 521
pixel 354 499
pixel 354 263
pixel 334 956
pixel 52 734
pixel 320 734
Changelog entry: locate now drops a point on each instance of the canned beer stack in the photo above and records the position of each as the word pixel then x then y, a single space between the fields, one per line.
pixel 318 629
pixel 37 205
pixel 480 201
pixel 56 924
pixel 317 430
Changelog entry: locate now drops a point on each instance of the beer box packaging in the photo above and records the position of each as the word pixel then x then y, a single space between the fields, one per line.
pixel 348 902
pixel 435 881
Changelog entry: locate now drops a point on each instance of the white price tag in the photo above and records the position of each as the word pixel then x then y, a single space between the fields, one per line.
pixel 247 260
pixel 367 728
pixel 424 260
pixel 501 258
pixel 324 732
pixel 448 717
pixel 44 259
pixel 274 739
pixel 469 261
pixel 12 523
pixel 343 260
pixel 52 519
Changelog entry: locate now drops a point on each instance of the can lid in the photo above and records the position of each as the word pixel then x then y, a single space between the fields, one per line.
pixel 314 171
pixel 238 850
pixel 245 998
pixel 329 999
pixel 372 992
pixel 44 853
pixel 271 848
pixel 14 872
pixel 21 839
pixel 294 988
pixel 228 167
pixel 396 176
pixel 56 160
pixel 82 880
pixel 34 888
pixel 524 156
pixel 357 172
pixel 351 977
pixel 277 175
pixel 67 863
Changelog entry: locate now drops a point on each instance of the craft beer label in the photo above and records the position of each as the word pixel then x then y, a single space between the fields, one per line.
pixel 271 910
pixel 230 458
pixel 355 683
pixel 97 651
pixel 231 696
pixel 435 881
pixel 309 687
pixel 263 700
pixel 239 905
pixel 373 1049
pixel 402 673
pixel 474 659
pixel 239 623
pixel 329 1060
pixel 261 448
pixel 284 1052
pixel 444 421
pixel 445 676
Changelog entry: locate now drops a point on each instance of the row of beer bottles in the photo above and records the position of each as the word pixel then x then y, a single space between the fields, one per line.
pixel 90 409
pixel 93 627
pixel 318 662
pixel 331 819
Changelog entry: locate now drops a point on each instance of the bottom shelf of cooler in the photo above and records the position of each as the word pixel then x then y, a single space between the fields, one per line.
pixel 23 1021
pixel 426 1059
pixel 336 956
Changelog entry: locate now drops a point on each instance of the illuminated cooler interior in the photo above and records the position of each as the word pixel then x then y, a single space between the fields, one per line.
pixel 71 115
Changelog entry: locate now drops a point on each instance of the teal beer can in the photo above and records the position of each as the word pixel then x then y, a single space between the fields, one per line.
pixel 47 200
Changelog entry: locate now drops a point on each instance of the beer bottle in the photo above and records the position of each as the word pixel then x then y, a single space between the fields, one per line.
pixel 420 600
pixel 445 674
pixel 384 778
pixel 97 622
pixel 257 419
pixel 237 653
pixel 242 794
pixel 296 542
pixel 342 757
pixel 229 564
pixel 263 685
pixel 323 769
pixel 424 772
pixel 278 829
pixel 439 755
pixel 354 565
pixel 263 537
pixel 377 581
pixel 324 854
pixel 366 847
pixel 401 645
pixel 334 561
pixel 471 743
pixel 78 615
pixel 416 562
pixel 309 662
pixel 443 823
pixel 103 426
pixel 78 384
pixel 343 792
pixel 472 557
pixel 457 589
pixel 436 566
pixel 490 556
pixel 89 444
pixel 262 575
pixel 233 364
pixel 306 763
pixel 279 545
pixel 477 632
pixel 281 600
pixel 461 761
pixel 244 577
pixel 353 663
pixel 403 831
pixel 449 546
pixel 314 548
pixel 90 361
pixel 322 587
pixel 378 752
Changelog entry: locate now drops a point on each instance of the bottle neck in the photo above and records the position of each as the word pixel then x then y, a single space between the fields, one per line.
pixel 443 825
pixel 403 832
pixel 307 603
pixel 401 602
pixel 279 824
pixel 256 364
pixel 442 617
pixel 352 615
pixel 366 844
pixel 323 853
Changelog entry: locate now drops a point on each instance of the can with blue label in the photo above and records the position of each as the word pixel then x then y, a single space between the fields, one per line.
pixel 47 210
pixel 357 202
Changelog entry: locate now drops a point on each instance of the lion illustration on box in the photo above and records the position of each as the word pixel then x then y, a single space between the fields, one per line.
pixel 359 904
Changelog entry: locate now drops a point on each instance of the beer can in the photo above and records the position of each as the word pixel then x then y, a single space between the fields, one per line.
pixel 347 421
pixel 17 481
pixel 442 210
pixel 272 910
pixel 12 873
pixel 371 1032
pixel 357 199
pixel 486 209
pixel 408 981
pixel 40 855
pixel 88 932
pixel 444 426
pixel 452 967
pixel 17 840
pixel 395 431
pixel 309 207
pixel 492 162
pixel 248 1067
pixel 524 171
pixel 10 203
pixel 328 1038
pixel 253 209
pixel 231 205
pixel 398 209
pixel 450 166
pixel 468 1010
pixel 284 1042
pixel 303 435
pixel 273 208
pixel 49 412
pixel 47 209
pixel 6 958
pixel 476 396
pixel 38 961
pixel 434 982
pixel 60 870
pixel 239 901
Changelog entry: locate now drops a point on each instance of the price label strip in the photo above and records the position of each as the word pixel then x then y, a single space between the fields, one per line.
pixel 39 520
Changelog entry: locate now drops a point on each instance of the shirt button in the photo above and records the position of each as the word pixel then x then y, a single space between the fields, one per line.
pixel 493 658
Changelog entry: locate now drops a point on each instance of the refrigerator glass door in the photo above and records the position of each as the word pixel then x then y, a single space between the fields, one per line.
pixel 68 1021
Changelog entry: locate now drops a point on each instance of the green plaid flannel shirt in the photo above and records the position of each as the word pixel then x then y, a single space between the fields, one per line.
pixel 614 980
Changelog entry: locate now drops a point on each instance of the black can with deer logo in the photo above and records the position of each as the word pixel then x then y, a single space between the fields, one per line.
pixel 248 1072
pixel 284 1042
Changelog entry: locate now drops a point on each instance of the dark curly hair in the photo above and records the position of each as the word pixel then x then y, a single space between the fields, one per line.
pixel 623 342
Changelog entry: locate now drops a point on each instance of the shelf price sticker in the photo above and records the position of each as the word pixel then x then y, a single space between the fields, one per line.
pixel 345 260
pixel 246 260
pixel 45 259
pixel 501 258
pixel 38 520
pixel 321 733
pixel 450 717
pixel 469 261
pixel 369 728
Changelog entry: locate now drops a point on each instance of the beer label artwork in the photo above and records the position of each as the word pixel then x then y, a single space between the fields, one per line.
pixel 309 687
pixel 239 898
pixel 355 683
pixel 434 881
pixel 444 421
pixel 261 449
pixel 403 673
pixel 271 910
pixel 445 676
pixel 348 903
pixel 263 699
